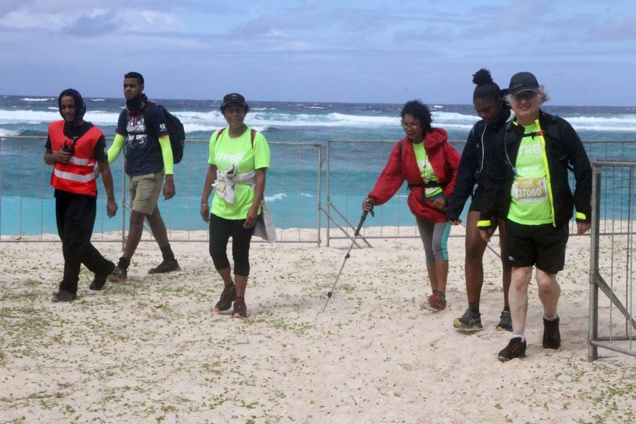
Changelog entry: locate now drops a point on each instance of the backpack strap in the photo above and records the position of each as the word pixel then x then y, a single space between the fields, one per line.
pixel 253 136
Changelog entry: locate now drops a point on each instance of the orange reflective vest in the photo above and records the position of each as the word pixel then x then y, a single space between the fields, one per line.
pixel 76 176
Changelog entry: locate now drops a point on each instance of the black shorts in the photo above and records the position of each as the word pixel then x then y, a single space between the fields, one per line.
pixel 539 245
pixel 475 202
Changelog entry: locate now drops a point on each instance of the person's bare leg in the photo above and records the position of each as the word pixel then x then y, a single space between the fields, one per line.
pixel 518 297
pixel 226 275
pixel 431 269
pixel 241 284
pixel 549 292
pixel 134 233
pixel 506 274
pixel 473 262
pixel 158 228
pixel 441 269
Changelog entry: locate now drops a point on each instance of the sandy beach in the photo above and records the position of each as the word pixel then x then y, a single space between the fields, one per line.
pixel 150 350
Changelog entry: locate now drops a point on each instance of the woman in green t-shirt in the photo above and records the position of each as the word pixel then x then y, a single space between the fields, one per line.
pixel 239 158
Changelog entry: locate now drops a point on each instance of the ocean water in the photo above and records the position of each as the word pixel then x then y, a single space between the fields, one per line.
pixel 291 192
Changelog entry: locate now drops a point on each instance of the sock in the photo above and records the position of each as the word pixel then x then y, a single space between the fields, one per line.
pixel 507 308
pixel 518 334
pixel 473 307
pixel 123 263
pixel 552 318
pixel 167 253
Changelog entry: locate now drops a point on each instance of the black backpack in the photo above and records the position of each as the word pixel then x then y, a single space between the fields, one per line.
pixel 176 132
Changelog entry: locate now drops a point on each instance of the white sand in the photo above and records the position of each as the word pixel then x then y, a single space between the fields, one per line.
pixel 150 350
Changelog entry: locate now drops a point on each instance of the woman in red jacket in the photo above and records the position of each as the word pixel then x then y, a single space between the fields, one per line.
pixel 428 163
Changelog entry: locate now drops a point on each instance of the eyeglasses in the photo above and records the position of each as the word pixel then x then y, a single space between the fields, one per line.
pixel 406 125
pixel 525 96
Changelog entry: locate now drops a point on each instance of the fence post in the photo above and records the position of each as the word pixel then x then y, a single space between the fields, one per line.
pixel 592 351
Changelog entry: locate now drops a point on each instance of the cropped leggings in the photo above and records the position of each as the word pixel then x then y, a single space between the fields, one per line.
pixel 434 236
pixel 221 230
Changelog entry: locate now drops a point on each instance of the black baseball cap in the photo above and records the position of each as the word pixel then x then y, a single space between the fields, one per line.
pixel 523 81
pixel 234 98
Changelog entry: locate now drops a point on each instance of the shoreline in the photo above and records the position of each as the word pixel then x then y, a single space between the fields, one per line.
pixel 151 350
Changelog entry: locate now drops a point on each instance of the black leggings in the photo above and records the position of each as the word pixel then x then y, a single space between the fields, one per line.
pixel 221 230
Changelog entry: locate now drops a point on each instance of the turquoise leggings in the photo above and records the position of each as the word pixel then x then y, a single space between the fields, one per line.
pixel 434 236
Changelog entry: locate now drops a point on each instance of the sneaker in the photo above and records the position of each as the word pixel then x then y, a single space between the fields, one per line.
pixel 505 321
pixel 64 296
pixel 228 295
pixel 436 302
pixel 166 266
pixel 99 280
pixel 515 349
pixel 470 321
pixel 98 283
pixel 240 310
pixel 551 334
pixel 118 274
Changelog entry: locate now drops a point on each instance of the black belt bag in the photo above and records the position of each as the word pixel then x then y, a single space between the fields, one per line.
pixel 424 186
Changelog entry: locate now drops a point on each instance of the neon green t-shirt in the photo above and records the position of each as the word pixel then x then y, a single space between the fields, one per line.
pixel 530 192
pixel 426 170
pixel 227 151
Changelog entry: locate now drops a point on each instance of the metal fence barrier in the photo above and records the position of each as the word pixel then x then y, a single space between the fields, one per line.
pixel 611 324
pixel 353 166
pixel 27 206
pixel 350 168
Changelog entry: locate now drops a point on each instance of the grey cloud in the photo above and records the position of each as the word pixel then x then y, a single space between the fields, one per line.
pixel 8 6
pixel 92 26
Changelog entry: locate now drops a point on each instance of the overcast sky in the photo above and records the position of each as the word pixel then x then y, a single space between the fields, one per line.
pixel 378 51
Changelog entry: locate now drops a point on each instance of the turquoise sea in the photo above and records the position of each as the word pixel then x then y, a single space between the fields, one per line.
pixel 26 201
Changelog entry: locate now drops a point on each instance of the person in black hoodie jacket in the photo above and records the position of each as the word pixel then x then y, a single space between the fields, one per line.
pixel 494 112
pixel 527 182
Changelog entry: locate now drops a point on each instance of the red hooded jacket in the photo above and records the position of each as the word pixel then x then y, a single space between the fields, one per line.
pixel 402 166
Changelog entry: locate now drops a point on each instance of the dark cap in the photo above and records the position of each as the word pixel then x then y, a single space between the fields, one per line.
pixel 234 98
pixel 523 81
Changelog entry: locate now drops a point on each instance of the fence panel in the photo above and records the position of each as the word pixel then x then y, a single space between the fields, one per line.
pixel 352 167
pixel 612 325
pixel 27 206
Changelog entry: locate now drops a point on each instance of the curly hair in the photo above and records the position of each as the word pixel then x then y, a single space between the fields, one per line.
pixel 419 111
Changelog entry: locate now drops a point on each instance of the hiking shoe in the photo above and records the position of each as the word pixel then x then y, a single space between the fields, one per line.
pixel 551 334
pixel 240 310
pixel 505 321
pixel 63 296
pixel 436 302
pixel 228 295
pixel 118 274
pixel 470 321
pixel 166 266
pixel 515 349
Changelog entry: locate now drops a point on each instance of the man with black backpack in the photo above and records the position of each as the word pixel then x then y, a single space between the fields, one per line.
pixel 143 133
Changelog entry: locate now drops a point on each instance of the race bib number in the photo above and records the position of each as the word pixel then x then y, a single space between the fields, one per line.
pixel 530 190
